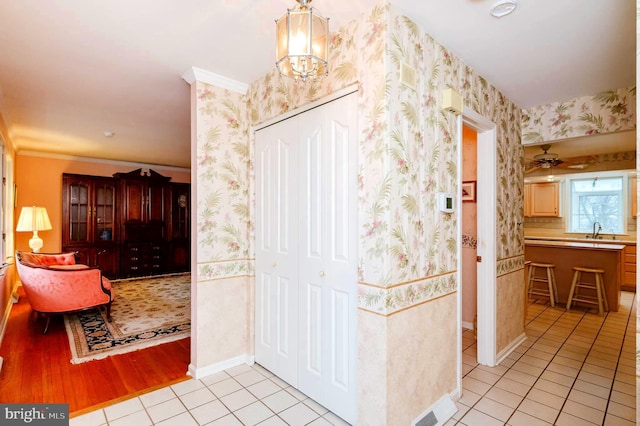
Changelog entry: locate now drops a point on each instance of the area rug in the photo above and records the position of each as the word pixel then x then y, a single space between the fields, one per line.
pixel 145 312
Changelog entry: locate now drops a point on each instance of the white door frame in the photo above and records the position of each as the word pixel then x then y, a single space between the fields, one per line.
pixel 486 207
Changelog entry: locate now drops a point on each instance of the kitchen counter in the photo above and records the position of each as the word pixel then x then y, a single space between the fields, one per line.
pixel 576 244
pixel 567 254
pixel 624 241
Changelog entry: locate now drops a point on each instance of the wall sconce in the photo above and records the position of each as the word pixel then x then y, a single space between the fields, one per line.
pixel 302 43
pixel 34 219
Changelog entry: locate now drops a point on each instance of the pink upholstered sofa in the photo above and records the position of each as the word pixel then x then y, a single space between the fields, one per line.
pixel 54 283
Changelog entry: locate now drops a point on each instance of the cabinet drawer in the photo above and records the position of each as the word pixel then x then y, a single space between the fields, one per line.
pixel 630 278
pixel 631 249
pixel 630 258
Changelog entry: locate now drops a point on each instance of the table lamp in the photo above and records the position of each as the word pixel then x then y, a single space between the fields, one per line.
pixel 34 219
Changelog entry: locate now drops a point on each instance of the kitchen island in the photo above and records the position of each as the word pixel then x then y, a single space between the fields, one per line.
pixel 565 255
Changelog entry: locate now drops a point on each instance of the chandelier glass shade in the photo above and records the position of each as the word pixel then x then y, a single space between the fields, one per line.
pixel 302 43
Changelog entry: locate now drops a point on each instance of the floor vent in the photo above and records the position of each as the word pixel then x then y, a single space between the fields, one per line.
pixel 428 420
pixel 437 414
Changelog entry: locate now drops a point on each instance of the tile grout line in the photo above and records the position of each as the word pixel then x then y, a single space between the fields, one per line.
pixel 582 366
pixel 518 359
pixel 615 374
pixel 583 315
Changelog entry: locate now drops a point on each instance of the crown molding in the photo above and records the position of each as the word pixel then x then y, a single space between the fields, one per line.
pixel 194 74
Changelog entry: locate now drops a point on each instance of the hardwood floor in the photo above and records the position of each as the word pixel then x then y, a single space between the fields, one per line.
pixel 37 367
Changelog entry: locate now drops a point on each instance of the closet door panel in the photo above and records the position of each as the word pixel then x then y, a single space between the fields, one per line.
pixel 338 196
pixel 276 251
pixel 313 351
pixel 339 336
pixel 334 197
pixel 312 225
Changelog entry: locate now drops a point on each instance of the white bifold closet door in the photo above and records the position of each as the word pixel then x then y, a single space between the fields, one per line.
pixel 306 253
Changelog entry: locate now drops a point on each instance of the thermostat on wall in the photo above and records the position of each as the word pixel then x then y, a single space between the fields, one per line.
pixel 445 202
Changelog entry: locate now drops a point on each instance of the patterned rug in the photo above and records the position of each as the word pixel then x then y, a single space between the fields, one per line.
pixel 145 312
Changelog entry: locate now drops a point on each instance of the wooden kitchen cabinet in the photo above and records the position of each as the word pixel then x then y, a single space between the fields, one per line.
pixel 542 199
pixel 90 221
pixel 629 279
pixel 527 200
pixel 633 195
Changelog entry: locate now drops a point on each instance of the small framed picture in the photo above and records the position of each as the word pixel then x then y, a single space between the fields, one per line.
pixel 469 191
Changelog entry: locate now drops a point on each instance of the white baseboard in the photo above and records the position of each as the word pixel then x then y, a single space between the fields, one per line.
pixel 455 395
pixel 467 325
pixel 510 348
pixel 199 373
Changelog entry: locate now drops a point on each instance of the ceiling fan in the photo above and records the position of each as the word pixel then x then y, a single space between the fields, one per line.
pixel 547 160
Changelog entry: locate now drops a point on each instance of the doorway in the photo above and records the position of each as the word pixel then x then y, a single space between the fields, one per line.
pixel 486 244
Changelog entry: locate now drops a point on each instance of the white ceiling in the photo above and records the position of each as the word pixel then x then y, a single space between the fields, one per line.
pixel 71 70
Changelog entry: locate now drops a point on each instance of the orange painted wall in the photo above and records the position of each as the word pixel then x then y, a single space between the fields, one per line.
pixel 39 183
pixel 469 227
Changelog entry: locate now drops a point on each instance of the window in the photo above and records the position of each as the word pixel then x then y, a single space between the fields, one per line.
pixel 597 199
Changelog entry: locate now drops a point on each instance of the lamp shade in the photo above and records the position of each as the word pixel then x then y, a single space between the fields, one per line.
pixel 33 219
pixel 302 43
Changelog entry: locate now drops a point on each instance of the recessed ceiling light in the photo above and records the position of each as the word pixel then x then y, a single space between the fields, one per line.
pixel 503 7
pixel 109 134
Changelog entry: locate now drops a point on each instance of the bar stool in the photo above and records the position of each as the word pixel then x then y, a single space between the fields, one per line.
pixel 597 286
pixel 543 285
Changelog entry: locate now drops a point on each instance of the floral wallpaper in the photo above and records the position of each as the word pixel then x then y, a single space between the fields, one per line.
pixel 407 152
pixel 222 183
pixel 611 111
pixel 470 241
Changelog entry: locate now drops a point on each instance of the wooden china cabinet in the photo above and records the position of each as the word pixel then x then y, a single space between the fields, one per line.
pixel 90 221
pixel 131 224
pixel 143 232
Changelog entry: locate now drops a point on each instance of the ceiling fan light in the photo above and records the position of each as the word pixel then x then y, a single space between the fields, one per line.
pixel 503 8
pixel 545 157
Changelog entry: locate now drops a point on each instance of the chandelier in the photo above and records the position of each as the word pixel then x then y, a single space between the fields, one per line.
pixel 302 43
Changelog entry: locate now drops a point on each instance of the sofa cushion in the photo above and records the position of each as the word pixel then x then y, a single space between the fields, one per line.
pixel 74 267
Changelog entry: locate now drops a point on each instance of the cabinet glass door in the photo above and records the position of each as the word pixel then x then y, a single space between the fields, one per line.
pixel 79 212
pixel 104 210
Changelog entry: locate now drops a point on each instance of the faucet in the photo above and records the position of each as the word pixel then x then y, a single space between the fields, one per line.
pixel 596 233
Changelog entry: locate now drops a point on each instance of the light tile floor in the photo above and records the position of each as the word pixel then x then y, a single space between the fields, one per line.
pixel 243 395
pixel 576 368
